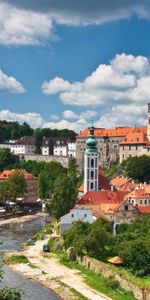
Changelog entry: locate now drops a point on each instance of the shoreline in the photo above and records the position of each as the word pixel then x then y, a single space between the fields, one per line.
pixel 22 219
pixel 46 269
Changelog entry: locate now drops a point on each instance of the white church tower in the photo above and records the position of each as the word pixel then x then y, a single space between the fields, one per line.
pixel 91 180
pixel 148 125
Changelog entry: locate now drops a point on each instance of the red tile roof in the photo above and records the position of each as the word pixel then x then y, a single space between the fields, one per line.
pixel 138 193
pixel 136 137
pixel 116 132
pixel 120 181
pixel 143 209
pixel 96 198
pixel 6 173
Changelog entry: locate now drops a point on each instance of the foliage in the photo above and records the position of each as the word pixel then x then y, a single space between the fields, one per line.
pixel 10 294
pixel 64 196
pixel 94 239
pixel 7 159
pixel 14 130
pixel 136 167
pixel 17 259
pixel 14 187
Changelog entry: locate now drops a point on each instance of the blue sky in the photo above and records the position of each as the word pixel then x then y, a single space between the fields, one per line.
pixel 63 64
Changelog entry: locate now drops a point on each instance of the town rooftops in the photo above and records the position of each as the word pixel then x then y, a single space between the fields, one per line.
pixel 26 140
pixel 116 132
pixel 120 181
pixel 99 197
pixel 143 209
pixel 136 137
pixel 6 173
pixel 138 193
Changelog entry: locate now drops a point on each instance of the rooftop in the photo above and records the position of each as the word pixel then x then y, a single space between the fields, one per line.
pixel 115 132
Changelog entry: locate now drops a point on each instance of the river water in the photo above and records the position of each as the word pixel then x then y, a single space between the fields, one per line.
pixel 12 236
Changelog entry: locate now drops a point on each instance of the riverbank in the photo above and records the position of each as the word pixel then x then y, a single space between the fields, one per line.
pixel 22 219
pixel 46 269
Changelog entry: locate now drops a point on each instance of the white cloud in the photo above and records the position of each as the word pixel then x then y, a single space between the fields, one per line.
pixel 69 114
pixel 23 27
pixel 126 78
pixel 55 86
pixel 31 22
pixel 76 126
pixel 9 83
pixel 33 119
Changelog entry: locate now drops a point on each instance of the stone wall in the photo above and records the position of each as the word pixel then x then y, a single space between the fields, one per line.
pixel 107 271
pixel 47 158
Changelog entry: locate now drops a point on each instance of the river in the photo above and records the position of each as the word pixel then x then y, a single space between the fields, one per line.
pixel 12 236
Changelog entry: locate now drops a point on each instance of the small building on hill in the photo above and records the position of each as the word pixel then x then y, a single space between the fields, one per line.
pixel 75 214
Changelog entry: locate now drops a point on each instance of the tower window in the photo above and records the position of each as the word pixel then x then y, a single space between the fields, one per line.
pixel 92 174
pixel 92 185
pixel 92 162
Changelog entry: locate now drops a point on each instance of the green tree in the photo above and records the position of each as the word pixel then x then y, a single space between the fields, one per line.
pixel 16 185
pixel 10 294
pixel 136 256
pixel 64 197
pixel 7 159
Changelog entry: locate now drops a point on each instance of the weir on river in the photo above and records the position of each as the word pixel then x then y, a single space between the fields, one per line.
pixel 12 236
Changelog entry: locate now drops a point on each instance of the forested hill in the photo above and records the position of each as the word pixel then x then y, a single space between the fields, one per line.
pixel 14 130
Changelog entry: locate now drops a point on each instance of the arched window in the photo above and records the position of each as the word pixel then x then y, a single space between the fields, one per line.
pixel 92 174
pixel 92 185
pixel 92 162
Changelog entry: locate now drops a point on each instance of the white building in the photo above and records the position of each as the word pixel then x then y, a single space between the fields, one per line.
pixel 75 214
pixel 60 148
pixel 25 145
pixel 71 148
pixel 91 167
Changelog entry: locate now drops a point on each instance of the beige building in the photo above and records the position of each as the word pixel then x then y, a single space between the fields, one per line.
pixel 108 141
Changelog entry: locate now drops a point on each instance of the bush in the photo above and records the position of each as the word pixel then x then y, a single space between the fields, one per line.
pixel 10 294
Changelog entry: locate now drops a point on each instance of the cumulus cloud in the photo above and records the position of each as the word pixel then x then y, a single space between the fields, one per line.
pixel 76 126
pixel 9 83
pixel 36 17
pixel 69 114
pixel 33 119
pixel 21 27
pixel 126 78
pixel 85 12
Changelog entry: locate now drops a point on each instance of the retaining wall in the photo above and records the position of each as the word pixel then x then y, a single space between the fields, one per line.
pixel 106 271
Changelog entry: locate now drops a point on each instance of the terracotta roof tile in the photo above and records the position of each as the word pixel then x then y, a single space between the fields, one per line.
pixel 143 209
pixel 120 181
pixel 115 132
pixel 99 197
pixel 6 173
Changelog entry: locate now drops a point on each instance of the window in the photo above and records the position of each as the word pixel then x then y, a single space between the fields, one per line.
pixel 92 174
pixel 129 148
pixel 92 162
pixel 92 185
pixel 85 215
pixel 72 215
pixel 126 207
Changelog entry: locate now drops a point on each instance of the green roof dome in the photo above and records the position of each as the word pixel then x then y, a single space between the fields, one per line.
pixel 91 142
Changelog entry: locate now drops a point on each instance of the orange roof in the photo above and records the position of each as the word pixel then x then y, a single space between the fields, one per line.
pixel 99 197
pixel 136 137
pixel 6 173
pixel 116 260
pixel 81 188
pixel 143 209
pixel 115 132
pixel 120 181
pixel 128 186
pixel 138 193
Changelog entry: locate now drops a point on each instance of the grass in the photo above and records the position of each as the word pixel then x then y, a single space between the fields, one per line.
pixel 17 259
pixel 108 286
